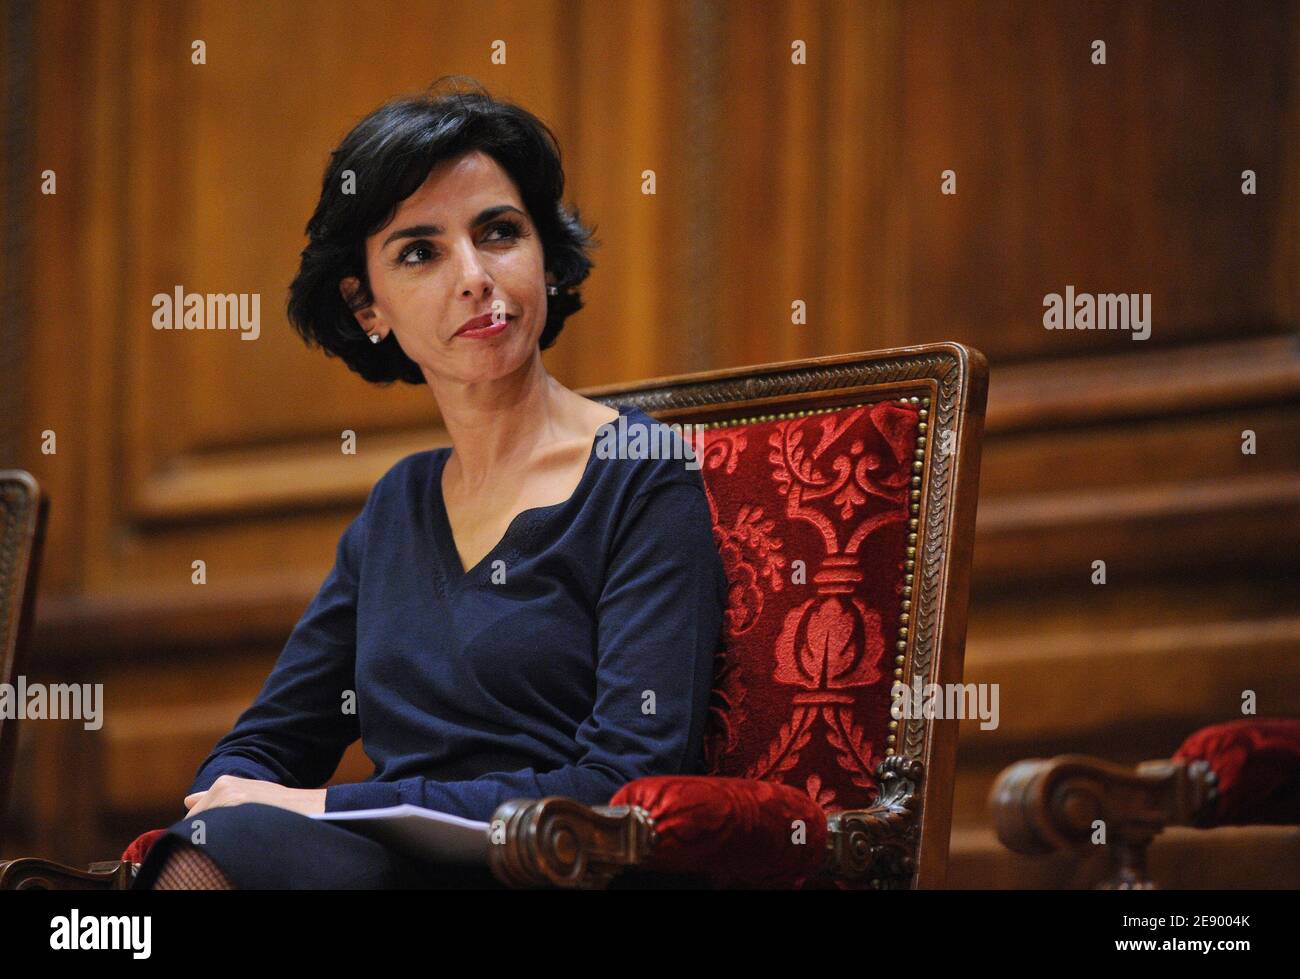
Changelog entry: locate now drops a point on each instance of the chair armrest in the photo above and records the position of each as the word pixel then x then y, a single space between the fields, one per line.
pixel 139 848
pixel 1239 773
pixel 33 873
pixel 876 844
pixel 727 832
pixel 1256 763
pixel 1042 805
pixel 564 843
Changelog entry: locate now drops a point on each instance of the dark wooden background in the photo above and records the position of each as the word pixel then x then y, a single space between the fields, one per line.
pixel 776 182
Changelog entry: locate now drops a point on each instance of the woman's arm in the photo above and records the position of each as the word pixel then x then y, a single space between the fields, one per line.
pixel 298 728
pixel 659 625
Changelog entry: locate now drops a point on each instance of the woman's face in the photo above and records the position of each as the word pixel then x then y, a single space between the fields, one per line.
pixel 461 246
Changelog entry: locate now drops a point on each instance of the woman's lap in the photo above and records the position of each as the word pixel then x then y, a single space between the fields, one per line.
pixel 262 847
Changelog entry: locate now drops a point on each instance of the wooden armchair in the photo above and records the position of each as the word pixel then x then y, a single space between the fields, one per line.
pixel 843 494
pixel 1240 773
pixel 22 538
pixel 23 516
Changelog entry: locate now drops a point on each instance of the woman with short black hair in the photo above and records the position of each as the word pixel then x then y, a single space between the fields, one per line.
pixel 514 616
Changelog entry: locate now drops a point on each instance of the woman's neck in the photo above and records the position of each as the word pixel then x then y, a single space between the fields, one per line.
pixel 496 430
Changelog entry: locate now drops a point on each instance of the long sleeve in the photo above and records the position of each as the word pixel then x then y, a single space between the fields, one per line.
pixel 297 729
pixel 659 621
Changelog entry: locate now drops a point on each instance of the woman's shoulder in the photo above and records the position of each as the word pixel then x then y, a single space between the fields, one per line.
pixel 406 478
pixel 650 452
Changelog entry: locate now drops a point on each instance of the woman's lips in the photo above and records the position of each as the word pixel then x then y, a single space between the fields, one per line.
pixel 491 330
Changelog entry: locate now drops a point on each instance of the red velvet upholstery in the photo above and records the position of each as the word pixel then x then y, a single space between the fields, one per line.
pixel 737 832
pixel 141 845
pixel 1257 762
pixel 800 712
pixel 802 686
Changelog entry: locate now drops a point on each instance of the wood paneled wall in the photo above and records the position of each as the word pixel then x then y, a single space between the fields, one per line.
pixel 776 183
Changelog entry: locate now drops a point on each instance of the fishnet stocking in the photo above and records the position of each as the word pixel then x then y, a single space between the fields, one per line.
pixel 186 868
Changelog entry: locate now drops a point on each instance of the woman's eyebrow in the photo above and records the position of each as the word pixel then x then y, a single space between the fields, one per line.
pixel 433 230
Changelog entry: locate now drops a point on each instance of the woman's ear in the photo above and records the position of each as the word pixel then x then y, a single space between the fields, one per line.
pixel 349 286
pixel 366 317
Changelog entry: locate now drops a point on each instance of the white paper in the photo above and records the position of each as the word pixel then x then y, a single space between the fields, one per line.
pixel 429 835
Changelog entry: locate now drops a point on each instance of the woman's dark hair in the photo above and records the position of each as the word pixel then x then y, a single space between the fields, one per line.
pixel 390 152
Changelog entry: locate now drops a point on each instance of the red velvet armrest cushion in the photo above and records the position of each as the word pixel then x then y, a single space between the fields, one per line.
pixel 1257 762
pixel 141 845
pixel 736 832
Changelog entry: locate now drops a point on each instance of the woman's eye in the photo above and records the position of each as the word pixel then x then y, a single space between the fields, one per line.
pixel 510 229
pixel 411 250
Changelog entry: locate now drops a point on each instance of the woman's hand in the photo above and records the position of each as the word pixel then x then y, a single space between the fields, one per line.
pixel 231 790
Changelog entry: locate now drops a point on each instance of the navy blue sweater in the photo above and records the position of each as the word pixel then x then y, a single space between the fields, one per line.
pixel 577 655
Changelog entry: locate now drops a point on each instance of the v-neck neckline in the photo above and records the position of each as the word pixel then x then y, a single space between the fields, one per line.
pixel 507 546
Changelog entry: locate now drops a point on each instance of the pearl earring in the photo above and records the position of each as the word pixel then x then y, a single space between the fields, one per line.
pixel 374 337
